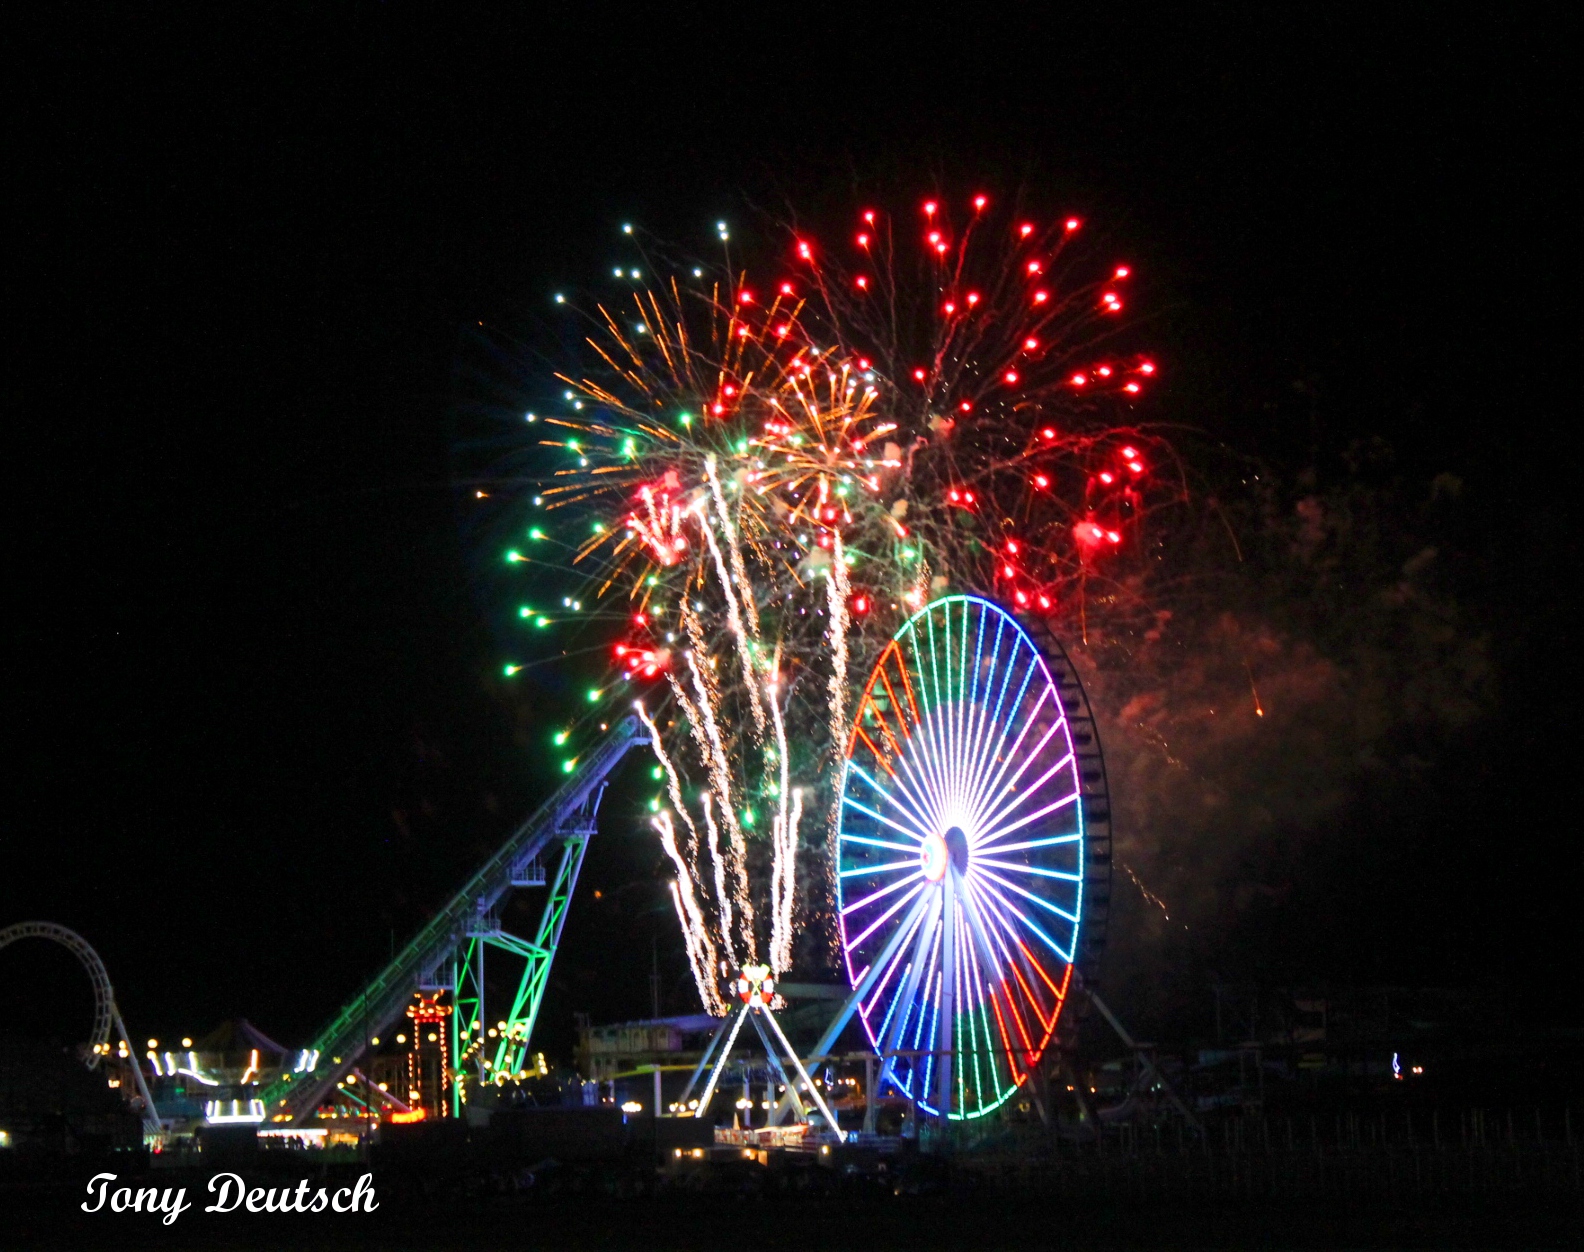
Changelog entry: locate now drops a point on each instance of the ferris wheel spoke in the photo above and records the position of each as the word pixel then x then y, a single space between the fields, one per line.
pixel 940 715
pixel 1030 923
pixel 990 780
pixel 961 702
pixel 915 918
pixel 884 867
pixel 1033 787
pixel 990 720
pixel 995 935
pixel 929 748
pixel 910 741
pixel 896 757
pixel 1013 867
pixel 1020 962
pixel 1029 895
pixel 882 893
pixel 867 842
pixel 985 982
pixel 904 729
pixel 990 977
pixel 1052 841
pixel 987 842
pixel 884 917
pixel 990 738
pixel 912 779
pixel 924 771
pixel 909 729
pixel 970 704
pixel 863 808
pixel 949 707
pixel 994 796
pixel 1015 1011
pixel 979 715
pixel 920 822
pixel 888 1037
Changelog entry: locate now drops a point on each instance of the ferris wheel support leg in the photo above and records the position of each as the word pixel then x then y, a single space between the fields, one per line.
pixel 830 1118
pixel 945 1036
pixel 698 1070
pixel 866 984
pixel 1151 1070
pixel 720 1063
pixel 787 1081
pixel 1039 1090
pixel 869 1095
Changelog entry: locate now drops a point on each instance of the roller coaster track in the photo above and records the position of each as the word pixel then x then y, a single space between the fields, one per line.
pixel 448 953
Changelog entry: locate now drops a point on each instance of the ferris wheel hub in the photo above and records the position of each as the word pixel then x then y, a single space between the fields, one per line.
pixel 940 852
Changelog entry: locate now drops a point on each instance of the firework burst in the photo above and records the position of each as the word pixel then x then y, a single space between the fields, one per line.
pixel 770 474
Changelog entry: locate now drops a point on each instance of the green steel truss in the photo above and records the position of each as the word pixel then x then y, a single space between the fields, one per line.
pixel 495 1050
pixel 448 953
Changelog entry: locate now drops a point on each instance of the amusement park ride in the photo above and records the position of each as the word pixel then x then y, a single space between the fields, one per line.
pixel 106 1013
pixel 973 893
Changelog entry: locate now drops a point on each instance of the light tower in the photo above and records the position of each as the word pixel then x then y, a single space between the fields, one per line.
pixel 428 1055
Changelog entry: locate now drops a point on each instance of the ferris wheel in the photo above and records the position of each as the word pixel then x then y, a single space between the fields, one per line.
pixel 973 802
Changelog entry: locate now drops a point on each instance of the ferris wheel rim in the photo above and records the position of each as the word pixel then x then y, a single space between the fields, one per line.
pixel 952 787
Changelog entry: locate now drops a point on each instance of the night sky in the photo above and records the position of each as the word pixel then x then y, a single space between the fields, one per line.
pixel 258 724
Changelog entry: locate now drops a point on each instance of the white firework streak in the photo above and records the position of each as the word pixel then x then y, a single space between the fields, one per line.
pixel 720 774
pixel 783 866
pixel 674 789
pixel 734 618
pixel 700 947
pixel 729 530
pixel 789 876
pixel 718 864
pixel 836 587
pixel 662 532
pixel 701 740
pixel 673 782
pixel 778 941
